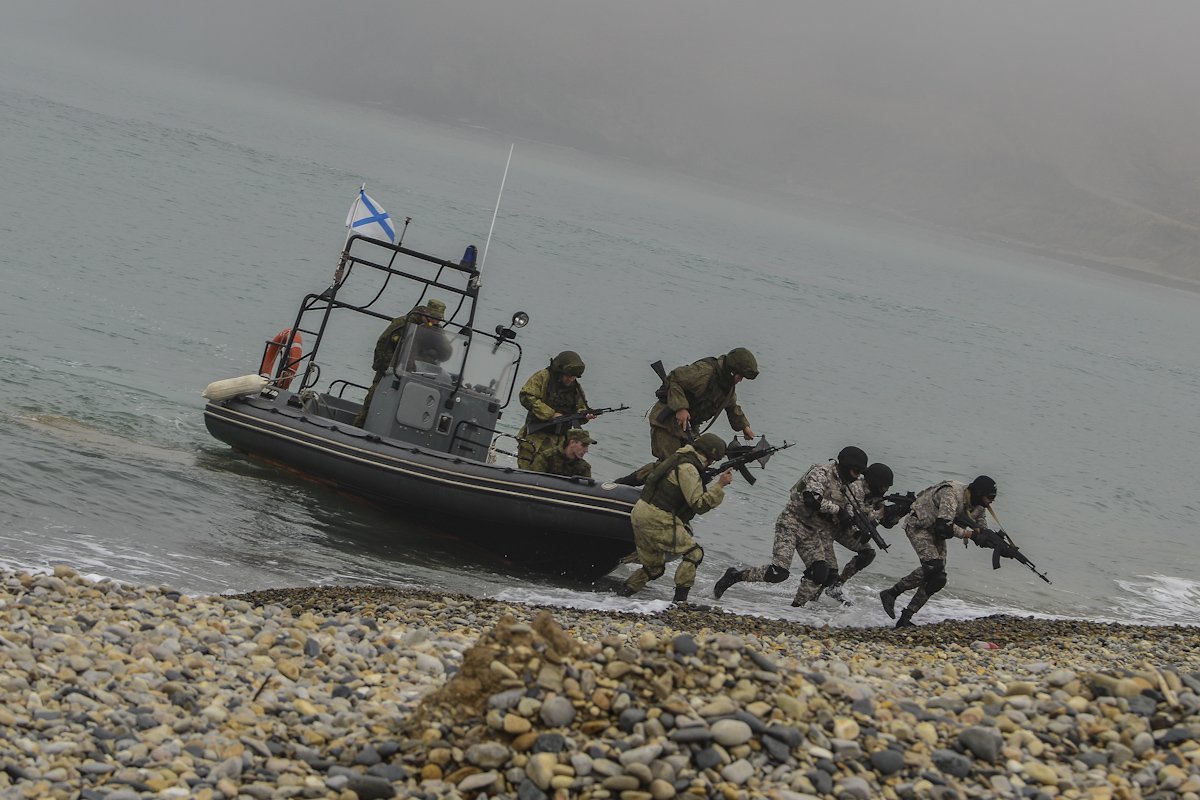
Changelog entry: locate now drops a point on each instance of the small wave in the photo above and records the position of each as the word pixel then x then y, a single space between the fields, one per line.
pixel 1162 600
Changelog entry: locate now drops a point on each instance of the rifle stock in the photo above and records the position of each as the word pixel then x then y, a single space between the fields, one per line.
pixel 899 506
pixel 661 393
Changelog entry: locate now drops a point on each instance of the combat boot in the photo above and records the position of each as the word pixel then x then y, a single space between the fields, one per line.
pixel 681 594
pixel 905 620
pixel 803 595
pixel 731 576
pixel 888 598
pixel 625 590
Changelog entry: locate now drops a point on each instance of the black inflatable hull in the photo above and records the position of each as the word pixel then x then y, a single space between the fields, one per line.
pixel 543 523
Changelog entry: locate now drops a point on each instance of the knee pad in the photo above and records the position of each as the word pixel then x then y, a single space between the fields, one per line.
pixel 935 575
pixel 819 572
pixel 656 572
pixel 694 556
pixel 863 558
pixel 776 574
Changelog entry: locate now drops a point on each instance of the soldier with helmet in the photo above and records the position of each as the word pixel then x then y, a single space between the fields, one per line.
pixel 936 516
pixel 692 396
pixel 550 393
pixel 818 506
pixel 566 460
pixel 673 495
pixel 878 479
pixel 431 314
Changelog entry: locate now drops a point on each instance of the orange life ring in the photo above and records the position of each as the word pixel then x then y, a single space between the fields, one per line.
pixel 274 348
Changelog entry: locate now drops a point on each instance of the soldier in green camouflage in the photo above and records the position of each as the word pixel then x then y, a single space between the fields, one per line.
pixel 693 395
pixel 673 495
pixel 550 393
pixel 566 460
pixel 431 314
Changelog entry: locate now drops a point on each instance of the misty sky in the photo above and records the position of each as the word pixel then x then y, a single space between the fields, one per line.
pixel 1070 126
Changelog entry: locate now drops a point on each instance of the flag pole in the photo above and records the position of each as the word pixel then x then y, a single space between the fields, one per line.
pixel 497 210
pixel 341 268
pixel 353 211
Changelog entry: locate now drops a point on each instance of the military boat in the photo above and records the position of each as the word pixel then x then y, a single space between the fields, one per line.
pixel 427 446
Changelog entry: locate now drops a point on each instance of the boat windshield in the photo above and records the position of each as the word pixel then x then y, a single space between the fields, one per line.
pixel 438 355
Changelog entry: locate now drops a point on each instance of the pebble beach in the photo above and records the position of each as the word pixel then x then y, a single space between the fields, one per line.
pixel 117 691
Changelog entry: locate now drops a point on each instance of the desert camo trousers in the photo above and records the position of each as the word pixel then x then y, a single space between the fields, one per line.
pixel 929 547
pixel 792 537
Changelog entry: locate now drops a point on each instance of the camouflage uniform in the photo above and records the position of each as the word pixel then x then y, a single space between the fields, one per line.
pixel 555 461
pixel 705 388
pixel 543 395
pixel 811 532
pixel 389 340
pixel 935 507
pixel 662 534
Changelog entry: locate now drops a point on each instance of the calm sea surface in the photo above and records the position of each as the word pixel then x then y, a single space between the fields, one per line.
pixel 157 226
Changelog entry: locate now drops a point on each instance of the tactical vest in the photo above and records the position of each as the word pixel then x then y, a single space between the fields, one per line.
pixel 924 510
pixel 661 493
pixel 563 399
pixel 707 405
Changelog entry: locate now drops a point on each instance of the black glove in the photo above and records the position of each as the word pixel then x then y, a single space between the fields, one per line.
pixel 986 538
pixel 892 514
pixel 843 517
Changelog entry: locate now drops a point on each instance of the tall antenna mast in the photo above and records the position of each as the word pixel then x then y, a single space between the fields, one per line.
pixel 497 211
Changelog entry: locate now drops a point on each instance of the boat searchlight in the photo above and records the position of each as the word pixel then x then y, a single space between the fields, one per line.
pixel 519 320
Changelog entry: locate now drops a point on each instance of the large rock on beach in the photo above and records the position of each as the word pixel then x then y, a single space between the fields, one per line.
pixel 115 691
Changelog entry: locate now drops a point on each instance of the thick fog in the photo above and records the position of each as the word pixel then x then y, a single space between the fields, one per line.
pixel 1072 127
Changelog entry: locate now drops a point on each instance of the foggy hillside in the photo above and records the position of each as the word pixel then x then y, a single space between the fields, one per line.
pixel 1073 127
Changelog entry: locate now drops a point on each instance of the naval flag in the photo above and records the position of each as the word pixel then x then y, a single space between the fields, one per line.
pixel 367 218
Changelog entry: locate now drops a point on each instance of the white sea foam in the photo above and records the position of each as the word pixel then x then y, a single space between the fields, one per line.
pixel 1162 599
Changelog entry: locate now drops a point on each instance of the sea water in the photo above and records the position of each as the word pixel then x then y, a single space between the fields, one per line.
pixel 158 226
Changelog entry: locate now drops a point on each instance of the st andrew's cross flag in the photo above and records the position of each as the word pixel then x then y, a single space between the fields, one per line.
pixel 367 218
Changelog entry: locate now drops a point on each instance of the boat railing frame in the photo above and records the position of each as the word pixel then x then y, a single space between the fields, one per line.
pixel 326 302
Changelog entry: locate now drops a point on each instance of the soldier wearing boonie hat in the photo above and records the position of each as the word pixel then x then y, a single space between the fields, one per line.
pixel 436 308
pixel 389 340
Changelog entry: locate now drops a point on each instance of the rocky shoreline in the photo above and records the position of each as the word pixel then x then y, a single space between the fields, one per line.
pixel 120 692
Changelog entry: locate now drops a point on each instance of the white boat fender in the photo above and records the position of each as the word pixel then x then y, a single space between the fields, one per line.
pixel 234 387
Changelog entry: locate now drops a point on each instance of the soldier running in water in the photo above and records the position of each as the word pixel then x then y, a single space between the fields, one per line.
pixel 935 517
pixel 674 494
pixel 818 507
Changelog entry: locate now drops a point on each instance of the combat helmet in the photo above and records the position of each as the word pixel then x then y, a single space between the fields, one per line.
pixel 710 446
pixel 852 458
pixel 567 362
pixel 741 361
pixel 879 478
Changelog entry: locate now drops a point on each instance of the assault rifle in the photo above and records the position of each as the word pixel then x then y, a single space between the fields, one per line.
pixel 740 456
pixel 1001 544
pixel 562 424
pixel 863 524
pixel 899 506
